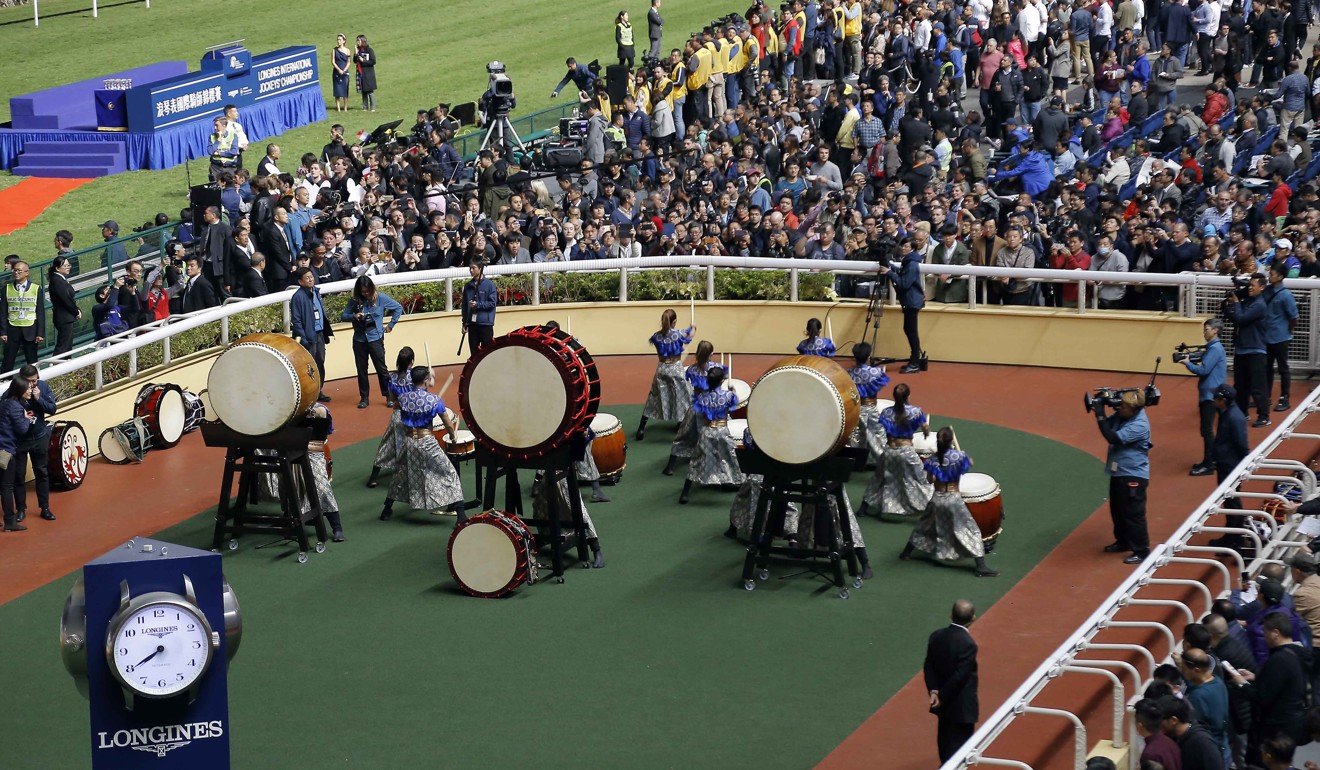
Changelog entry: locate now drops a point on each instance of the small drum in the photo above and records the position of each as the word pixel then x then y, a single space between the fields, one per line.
pixel 743 391
pixel 465 448
pixel 194 411
pixel 529 392
pixel 610 446
pixel 162 410
pixel 806 408
pixel 261 383
pixel 67 457
pixel 204 396
pixel 736 429
pixel 925 445
pixel 125 443
pixel 492 554
pixel 882 404
pixel 981 495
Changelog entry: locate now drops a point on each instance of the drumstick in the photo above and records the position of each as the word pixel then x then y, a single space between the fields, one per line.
pixel 461 338
pixel 448 381
pixel 426 346
pixel 568 325
pixel 692 310
pixel 829 328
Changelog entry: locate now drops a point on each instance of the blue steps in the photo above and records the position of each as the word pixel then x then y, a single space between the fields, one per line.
pixel 71 160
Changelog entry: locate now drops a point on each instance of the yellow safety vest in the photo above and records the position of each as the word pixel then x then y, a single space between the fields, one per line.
pixel 606 108
pixel 701 76
pixel 853 27
pixel 838 19
pixel 663 89
pixel 774 40
pixel 751 51
pixel 22 304
pixel 625 34
pixel 719 56
pixel 737 57
pixel 226 144
pixel 679 78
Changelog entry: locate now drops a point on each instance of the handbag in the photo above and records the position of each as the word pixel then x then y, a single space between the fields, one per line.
pixel 5 458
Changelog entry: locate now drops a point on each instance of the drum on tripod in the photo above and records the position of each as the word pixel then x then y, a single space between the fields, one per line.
pixel 529 392
pixel 492 554
pixel 66 459
pixel 163 410
pixel 125 443
pixel 261 383
pixel 803 409
pixel 610 447
pixel 981 495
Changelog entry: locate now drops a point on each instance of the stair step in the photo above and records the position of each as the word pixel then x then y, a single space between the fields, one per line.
pixel 89 159
pixel 74 148
pixel 64 172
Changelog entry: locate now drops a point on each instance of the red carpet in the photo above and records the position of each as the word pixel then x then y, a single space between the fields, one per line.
pixel 22 203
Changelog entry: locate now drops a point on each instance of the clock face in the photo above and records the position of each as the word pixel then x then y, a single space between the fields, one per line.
pixel 161 649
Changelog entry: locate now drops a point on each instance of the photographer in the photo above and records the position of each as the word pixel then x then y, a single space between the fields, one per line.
pixel 1245 307
pixel 906 278
pixel 1128 466
pixel 367 310
pixel 1211 371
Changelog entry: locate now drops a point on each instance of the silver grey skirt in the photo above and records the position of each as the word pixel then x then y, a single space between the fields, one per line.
pixel 268 484
pixel 714 461
pixel 870 433
pixel 742 514
pixel 899 486
pixel 424 478
pixel 947 530
pixel 387 454
pixel 671 395
pixel 806 529
pixel 686 439
pixel 585 468
pixel 542 503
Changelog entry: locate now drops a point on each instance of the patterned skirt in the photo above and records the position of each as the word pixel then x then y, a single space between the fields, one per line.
pixel 947 530
pixel 742 514
pixel 870 433
pixel 806 525
pixel 686 439
pixel 714 461
pixel 585 468
pixel 268 484
pixel 424 478
pixel 671 395
pixel 387 454
pixel 899 486
pixel 541 504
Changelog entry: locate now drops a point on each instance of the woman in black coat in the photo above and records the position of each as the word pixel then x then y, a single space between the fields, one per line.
pixel 63 303
pixel 366 73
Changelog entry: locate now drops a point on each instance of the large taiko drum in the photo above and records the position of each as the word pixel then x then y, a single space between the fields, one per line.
pixel 164 412
pixel 527 393
pixel 803 409
pixel 743 391
pixel 492 554
pixel 610 446
pixel 261 383
pixel 980 493
pixel 66 459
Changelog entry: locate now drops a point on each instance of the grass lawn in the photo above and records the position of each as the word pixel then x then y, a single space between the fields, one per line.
pixel 428 53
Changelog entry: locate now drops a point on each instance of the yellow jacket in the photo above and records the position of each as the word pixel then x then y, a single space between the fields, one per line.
pixel 719 56
pixel 853 27
pixel 701 76
pixel 678 75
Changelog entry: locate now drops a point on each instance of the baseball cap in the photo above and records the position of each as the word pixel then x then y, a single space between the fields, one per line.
pixel 1226 392
pixel 1271 590
pixel 110 224
pixel 1303 562
pixel 1283 243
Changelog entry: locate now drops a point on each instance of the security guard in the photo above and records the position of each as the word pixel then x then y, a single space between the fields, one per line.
pixel 1230 449
pixel 223 148
pixel 678 96
pixel 1211 371
pixel 22 317
pixel 1128 467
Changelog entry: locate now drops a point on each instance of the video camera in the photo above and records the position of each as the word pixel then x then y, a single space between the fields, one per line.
pixel 1184 352
pixel 498 100
pixel 1113 397
pixel 1241 286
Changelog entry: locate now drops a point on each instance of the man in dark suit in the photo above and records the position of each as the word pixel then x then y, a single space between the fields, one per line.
pixel 273 240
pixel 252 282
pixel 951 679
pixel 22 317
pixel 64 304
pixel 200 294
pixel 216 246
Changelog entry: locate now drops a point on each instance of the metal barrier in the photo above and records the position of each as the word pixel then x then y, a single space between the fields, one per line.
pixel 527 126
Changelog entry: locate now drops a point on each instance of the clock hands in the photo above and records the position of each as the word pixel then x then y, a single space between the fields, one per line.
pixel 159 649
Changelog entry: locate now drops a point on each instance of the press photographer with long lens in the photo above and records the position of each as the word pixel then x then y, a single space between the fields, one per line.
pixel 1128 466
pixel 1210 365
pixel 1245 307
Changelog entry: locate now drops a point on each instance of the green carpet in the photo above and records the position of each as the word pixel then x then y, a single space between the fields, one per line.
pixel 368 656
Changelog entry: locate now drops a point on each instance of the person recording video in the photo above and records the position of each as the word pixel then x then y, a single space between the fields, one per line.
pixel 1128 466
pixel 1211 370
pixel 1245 307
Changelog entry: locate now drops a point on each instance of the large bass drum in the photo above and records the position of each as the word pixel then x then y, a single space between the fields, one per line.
pixel 163 410
pixel 261 383
pixel 491 554
pixel 66 459
pixel 529 392
pixel 803 409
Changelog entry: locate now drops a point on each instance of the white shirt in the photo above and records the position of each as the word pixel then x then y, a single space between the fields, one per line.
pixel 1029 23
pixel 242 135
pixel 921 35
pixel 981 12
pixel 1104 20
pixel 1140 5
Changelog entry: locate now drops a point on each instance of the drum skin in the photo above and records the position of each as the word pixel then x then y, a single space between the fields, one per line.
pixel 66 459
pixel 261 383
pixel 736 429
pixel 926 446
pixel 492 554
pixel 467 443
pixel 165 412
pixel 744 392
pixel 610 447
pixel 981 494
pixel 803 409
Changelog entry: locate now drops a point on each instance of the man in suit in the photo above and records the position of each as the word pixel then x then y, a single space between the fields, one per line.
pixel 252 282
pixel 216 244
pixel 273 240
pixel 64 304
pixel 951 679
pixel 309 322
pixel 200 294
pixel 22 317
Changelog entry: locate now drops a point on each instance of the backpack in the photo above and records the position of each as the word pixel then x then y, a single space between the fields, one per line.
pixel 113 324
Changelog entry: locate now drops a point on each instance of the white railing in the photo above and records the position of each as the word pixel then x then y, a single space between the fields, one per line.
pixel 1177 550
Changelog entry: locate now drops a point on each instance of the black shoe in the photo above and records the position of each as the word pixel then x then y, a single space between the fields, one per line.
pixel 1262 422
pixel 867 572
pixel 1116 548
pixel 598 560
pixel 1201 469
pixel 386 514
pixel 988 572
pixel 15 527
pixel 337 536
pixel 683 499
pixel 731 532
pixel 910 369
pixel 363 404
pixel 47 515
pixel 1136 558
pixel 640 434
pixel 323 398
pixel 372 483
pixel 1282 406
pixel 20 516
pixel 599 498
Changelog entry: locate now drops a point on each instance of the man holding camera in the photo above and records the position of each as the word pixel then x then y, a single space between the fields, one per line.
pixel 1246 307
pixel 1211 372
pixel 1128 466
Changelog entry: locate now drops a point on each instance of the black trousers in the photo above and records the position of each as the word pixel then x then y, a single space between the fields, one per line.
pixel 12 347
pixel 64 337
pixel 478 335
pixel 1208 413
pixel 36 454
pixel 362 350
pixel 913 334
pixel 8 486
pixel 1249 381
pixel 950 736
pixel 1277 355
pixel 317 348
pixel 1127 508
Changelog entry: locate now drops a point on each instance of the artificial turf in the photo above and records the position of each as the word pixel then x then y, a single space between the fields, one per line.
pixel 368 656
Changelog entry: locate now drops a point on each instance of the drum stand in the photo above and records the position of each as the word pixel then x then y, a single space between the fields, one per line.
pixel 492 468
pixel 232 517
pixel 458 468
pixel 802 484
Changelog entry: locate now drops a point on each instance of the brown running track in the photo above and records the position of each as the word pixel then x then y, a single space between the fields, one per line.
pixel 1027 624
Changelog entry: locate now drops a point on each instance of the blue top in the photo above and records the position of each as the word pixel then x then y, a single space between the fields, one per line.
pixel 307 313
pixel 907 280
pixel 1211 703
pixel 40 407
pixel 869 379
pixel 715 404
pixel 696 376
pixel 889 421
pixel 1212 370
pixel 1131 455
pixel 400 384
pixel 1280 310
pixel 955 464
pixel 486 298
pixel 373 328
pixel 670 344
pixel 1249 315
pixel 14 424
pixel 817 346
pixel 419 408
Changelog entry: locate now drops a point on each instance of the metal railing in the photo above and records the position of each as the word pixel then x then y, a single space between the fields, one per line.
pixel 529 127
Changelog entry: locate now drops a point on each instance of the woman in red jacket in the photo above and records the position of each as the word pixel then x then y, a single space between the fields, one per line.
pixel 1070 257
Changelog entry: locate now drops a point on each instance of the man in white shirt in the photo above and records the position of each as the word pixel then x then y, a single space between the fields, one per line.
pixel 1030 24
pixel 231 112
pixel 921 30
pixel 1102 30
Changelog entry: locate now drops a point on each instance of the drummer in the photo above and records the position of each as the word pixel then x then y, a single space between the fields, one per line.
pixel 399 382
pixel 946 529
pixel 671 395
pixel 713 460
pixel 869 433
pixel 542 508
pixel 424 478
pixel 686 439
pixel 585 467
pixel 318 458
pixel 899 486
pixel 814 344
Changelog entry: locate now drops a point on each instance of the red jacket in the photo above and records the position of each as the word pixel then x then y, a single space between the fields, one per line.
pixel 1078 261
pixel 1277 206
pixel 1216 104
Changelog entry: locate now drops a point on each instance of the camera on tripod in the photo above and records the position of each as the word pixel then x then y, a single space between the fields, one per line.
pixel 498 99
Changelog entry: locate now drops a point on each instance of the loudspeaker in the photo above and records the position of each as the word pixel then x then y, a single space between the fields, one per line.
pixel 563 157
pixel 200 197
pixel 616 84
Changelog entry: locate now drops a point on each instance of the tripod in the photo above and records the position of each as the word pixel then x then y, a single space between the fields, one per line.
pixel 502 132
pixel 875 306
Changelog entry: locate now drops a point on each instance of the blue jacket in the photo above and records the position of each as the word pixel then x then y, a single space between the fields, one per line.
pixel 1129 452
pixel 305 309
pixel 1230 443
pixel 41 407
pixel 1212 370
pixel 636 127
pixel 1036 170
pixel 486 298
pixel 1280 311
pixel 1249 315
pixel 373 327
pixel 14 424
pixel 907 280
pixel 1141 70
pixel 581 76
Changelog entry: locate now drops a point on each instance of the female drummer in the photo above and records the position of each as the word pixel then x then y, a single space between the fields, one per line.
pixel 585 467
pixel 869 380
pixel 542 504
pixel 899 486
pixel 671 396
pixel 317 453
pixel 424 478
pixel 686 439
pixel 713 460
pixel 947 530
pixel 814 344
pixel 400 382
